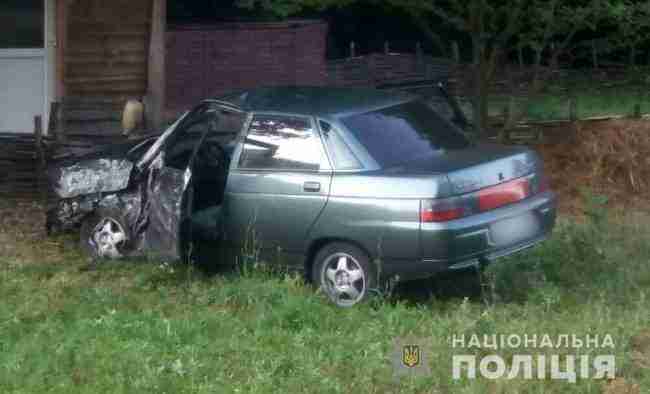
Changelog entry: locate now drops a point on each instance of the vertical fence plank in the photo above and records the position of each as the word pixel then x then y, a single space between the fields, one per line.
pixel 40 159
pixel 52 127
pixel 156 65
pixel 573 107
pixel 455 51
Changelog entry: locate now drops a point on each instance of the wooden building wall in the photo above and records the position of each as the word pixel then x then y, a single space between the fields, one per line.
pixel 105 61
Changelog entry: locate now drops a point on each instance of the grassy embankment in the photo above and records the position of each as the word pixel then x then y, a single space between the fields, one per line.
pixel 592 98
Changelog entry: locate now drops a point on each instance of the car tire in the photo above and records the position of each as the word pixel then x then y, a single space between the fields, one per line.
pixel 105 235
pixel 344 273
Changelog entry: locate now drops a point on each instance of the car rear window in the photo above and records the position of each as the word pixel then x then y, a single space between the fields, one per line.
pixel 403 133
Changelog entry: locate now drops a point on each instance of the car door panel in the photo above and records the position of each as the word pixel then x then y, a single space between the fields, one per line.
pixel 271 211
pixel 273 208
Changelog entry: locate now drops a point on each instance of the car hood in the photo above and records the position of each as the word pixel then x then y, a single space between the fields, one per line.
pixel 107 168
pixel 131 149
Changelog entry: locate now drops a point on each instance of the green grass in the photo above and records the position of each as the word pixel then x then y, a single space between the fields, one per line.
pixel 594 98
pixel 549 106
pixel 140 327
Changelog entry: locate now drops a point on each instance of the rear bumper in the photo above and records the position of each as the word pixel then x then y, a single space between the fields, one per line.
pixel 479 239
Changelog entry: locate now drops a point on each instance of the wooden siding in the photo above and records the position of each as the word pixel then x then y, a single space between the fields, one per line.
pixel 105 61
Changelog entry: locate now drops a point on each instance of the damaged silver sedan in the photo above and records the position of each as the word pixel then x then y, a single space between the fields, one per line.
pixel 352 186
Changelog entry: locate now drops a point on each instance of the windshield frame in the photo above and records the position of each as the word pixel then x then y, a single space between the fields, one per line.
pixel 180 126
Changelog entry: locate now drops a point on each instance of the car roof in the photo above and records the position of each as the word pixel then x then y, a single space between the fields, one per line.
pixel 315 101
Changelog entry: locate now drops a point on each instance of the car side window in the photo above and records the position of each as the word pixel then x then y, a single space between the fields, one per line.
pixel 281 142
pixel 342 157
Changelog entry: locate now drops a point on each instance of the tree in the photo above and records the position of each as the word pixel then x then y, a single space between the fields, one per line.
pixel 492 26
pixel 632 21
pixel 553 25
pixel 489 23
pixel 551 29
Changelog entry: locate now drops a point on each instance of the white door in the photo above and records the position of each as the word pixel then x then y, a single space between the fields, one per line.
pixel 22 65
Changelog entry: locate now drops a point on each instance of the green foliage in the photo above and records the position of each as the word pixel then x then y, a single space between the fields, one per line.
pixel 496 27
pixel 632 22
pixel 287 8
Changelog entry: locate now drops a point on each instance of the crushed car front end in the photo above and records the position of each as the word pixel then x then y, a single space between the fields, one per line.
pixel 78 183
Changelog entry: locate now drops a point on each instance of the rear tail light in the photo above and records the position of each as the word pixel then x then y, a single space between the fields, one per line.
pixel 503 194
pixel 445 209
pixel 442 210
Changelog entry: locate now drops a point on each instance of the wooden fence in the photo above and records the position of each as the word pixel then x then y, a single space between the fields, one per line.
pixel 23 159
pixel 382 68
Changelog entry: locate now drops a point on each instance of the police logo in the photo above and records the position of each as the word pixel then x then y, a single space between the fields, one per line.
pixel 411 356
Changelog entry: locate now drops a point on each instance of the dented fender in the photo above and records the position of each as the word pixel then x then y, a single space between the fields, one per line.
pixel 102 175
pixel 67 214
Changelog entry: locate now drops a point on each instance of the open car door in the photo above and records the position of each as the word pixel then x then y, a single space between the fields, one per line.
pixel 171 177
pixel 165 190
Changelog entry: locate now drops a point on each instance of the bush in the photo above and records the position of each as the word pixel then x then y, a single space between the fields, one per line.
pixel 581 259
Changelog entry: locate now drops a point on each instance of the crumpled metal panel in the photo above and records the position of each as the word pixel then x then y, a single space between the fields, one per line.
pixel 165 190
pixel 91 176
pixel 67 214
pixel 152 205
pixel 152 208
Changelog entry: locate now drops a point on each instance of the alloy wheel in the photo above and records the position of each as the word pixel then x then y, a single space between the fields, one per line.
pixel 108 238
pixel 344 279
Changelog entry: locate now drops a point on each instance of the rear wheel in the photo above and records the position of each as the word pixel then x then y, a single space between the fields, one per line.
pixel 344 273
pixel 105 234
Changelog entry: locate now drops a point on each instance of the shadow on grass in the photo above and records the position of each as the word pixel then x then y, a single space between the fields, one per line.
pixel 444 287
pixel 575 257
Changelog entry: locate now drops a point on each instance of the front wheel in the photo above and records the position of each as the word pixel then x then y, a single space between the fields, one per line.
pixel 344 273
pixel 105 235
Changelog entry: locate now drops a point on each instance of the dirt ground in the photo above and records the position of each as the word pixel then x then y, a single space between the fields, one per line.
pixel 23 218
pixel 609 158
pixel 22 225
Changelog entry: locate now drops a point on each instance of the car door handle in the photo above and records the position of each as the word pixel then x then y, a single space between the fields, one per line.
pixel 311 186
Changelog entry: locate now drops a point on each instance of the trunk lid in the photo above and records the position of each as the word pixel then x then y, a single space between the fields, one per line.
pixel 489 165
pixel 476 167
